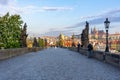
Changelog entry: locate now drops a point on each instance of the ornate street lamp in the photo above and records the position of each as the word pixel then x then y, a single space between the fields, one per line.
pixel 107 23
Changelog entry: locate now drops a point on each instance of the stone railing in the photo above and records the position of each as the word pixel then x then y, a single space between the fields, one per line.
pixel 8 53
pixel 111 58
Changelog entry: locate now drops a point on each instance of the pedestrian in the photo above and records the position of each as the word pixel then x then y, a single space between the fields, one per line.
pixel 78 47
pixel 90 50
pixel 104 56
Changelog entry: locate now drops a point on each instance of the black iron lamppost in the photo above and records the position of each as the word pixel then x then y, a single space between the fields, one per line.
pixel 107 23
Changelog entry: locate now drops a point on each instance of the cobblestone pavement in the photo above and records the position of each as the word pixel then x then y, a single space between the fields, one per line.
pixel 56 64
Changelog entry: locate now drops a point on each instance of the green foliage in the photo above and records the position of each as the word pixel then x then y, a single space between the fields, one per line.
pixel 41 43
pixel 61 43
pixel 57 43
pixel 10 30
pixel 73 36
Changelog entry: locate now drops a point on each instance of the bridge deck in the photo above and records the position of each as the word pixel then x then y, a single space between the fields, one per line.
pixel 56 64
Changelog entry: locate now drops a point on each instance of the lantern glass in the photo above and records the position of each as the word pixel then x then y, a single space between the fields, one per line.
pixel 107 23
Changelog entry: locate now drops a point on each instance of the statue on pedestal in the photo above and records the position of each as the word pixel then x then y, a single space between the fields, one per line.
pixel 85 35
pixel 35 42
pixel 23 36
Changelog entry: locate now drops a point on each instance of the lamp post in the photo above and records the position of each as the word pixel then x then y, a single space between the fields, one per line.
pixel 106 22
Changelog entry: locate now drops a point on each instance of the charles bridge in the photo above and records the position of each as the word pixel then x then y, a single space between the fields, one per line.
pixel 57 64
pixel 66 63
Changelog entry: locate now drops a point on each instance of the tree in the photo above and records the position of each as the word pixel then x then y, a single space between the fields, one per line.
pixel 73 43
pixel 61 40
pixel 73 36
pixel 41 42
pixel 10 30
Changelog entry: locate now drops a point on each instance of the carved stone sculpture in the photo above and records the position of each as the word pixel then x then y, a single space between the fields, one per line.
pixel 85 35
pixel 23 36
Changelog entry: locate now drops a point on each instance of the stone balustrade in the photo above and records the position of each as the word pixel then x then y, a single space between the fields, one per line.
pixel 8 53
pixel 110 58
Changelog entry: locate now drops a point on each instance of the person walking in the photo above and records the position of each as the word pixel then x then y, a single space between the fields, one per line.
pixel 78 46
pixel 90 50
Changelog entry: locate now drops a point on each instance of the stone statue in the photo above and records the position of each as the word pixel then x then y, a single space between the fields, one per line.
pixel 85 35
pixel 87 24
pixel 82 38
pixel 35 43
pixel 23 36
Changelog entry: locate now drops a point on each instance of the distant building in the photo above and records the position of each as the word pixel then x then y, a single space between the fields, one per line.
pixel 50 40
pixel 99 37
pixel 97 34
pixel 115 36
pixel 114 41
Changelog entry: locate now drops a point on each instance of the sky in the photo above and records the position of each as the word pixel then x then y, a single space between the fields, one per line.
pixel 52 17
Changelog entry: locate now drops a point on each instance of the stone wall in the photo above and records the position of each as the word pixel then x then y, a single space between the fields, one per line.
pixel 8 53
pixel 110 58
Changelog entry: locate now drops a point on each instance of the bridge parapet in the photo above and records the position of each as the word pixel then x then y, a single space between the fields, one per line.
pixel 8 53
pixel 110 58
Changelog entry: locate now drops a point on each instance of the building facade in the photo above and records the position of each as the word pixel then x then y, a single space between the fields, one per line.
pixel 98 38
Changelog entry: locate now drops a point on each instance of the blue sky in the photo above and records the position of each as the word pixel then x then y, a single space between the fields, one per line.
pixel 52 17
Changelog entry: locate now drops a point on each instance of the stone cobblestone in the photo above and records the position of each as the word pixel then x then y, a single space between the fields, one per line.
pixel 56 64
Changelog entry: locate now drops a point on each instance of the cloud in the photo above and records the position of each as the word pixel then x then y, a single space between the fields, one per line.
pixel 76 25
pixel 7 2
pixel 108 13
pixel 4 2
pixel 112 12
pixel 112 19
pixel 35 9
pixel 56 8
pixel 113 16
pixel 95 21
pixel 69 30
pixel 57 33
pixel 24 10
pixel 5 6
pixel 13 7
